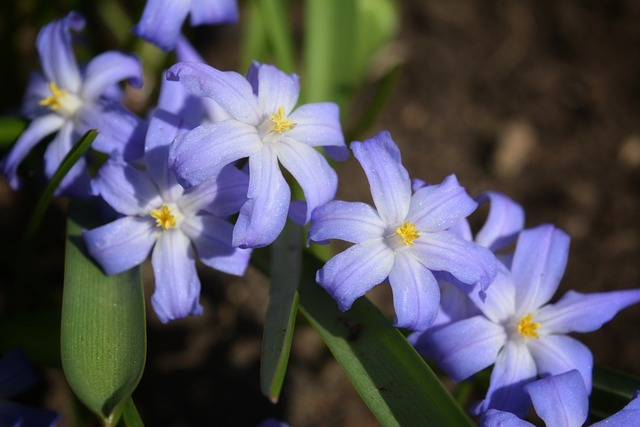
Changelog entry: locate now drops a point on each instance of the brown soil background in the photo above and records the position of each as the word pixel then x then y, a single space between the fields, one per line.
pixel 536 99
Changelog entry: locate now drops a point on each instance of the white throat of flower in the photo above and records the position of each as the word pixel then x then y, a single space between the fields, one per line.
pixel 61 101
pixel 402 236
pixel 275 125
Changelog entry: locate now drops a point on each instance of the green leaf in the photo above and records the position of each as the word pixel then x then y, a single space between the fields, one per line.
pixel 339 56
pixel 612 390
pixel 130 415
pixel 276 27
pixel 10 130
pixel 282 308
pixel 389 375
pixel 103 331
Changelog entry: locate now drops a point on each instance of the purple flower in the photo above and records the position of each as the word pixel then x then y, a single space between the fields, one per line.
pixel 162 20
pixel 159 216
pixel 70 101
pixel 504 222
pixel 17 375
pixel 518 331
pixel 404 239
pixel 562 401
pixel 266 129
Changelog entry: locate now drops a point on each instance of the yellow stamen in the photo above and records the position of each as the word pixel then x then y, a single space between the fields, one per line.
pixel 528 328
pixel 280 123
pixel 53 101
pixel 408 233
pixel 164 218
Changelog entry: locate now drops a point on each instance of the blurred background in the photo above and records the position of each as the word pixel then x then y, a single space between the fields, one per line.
pixel 537 99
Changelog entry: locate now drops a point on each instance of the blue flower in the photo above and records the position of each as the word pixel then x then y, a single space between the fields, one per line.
pixel 504 221
pixel 70 101
pixel 162 20
pixel 562 401
pixel 159 216
pixel 266 129
pixel 405 238
pixel 518 331
pixel 17 375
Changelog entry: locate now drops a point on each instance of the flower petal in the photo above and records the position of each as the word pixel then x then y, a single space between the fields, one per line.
pixel 177 289
pixel 538 265
pixel 263 216
pixel 466 261
pixel 228 88
pixel 462 348
pixel 212 238
pixel 120 131
pixel 560 400
pixel 497 418
pixel 505 221
pixel 76 183
pixel 108 69
pixel 317 124
pixel 578 312
pixel 349 221
pixel 56 53
pixel 315 176
pixel 388 179
pixel 161 22
pixel 15 414
pixel 555 354
pixel 34 133
pixel 276 89
pixel 514 368
pixel 221 195
pixel 128 190
pixel 197 155
pixel 416 295
pixel 213 11
pixel 352 273
pixel 438 207
pixel 121 244
pixel 499 301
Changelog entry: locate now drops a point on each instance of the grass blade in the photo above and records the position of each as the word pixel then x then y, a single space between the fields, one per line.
pixel 282 308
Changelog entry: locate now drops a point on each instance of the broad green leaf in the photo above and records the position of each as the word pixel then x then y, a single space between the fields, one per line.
pixel 389 375
pixel 612 390
pixel 103 335
pixel 282 308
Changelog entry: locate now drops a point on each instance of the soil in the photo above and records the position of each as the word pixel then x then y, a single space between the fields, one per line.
pixel 539 100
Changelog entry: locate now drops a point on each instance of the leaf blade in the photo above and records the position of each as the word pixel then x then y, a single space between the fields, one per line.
pixel 103 327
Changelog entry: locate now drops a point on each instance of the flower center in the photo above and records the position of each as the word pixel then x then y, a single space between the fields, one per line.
pixel 527 327
pixel 407 233
pixel 164 218
pixel 60 101
pixel 281 124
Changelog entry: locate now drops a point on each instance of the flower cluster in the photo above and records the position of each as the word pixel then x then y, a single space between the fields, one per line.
pixel 202 178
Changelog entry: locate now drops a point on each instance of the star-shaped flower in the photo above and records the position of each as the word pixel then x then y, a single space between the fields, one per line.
pixel 405 238
pixel 159 216
pixel 71 100
pixel 518 331
pixel 266 128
